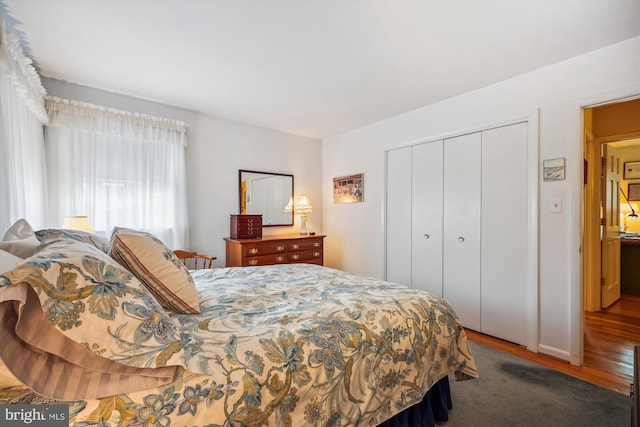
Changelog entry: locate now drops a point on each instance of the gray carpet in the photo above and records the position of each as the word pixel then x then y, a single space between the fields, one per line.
pixel 515 392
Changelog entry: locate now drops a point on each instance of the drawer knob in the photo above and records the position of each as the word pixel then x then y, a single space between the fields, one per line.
pixel 426 236
pixel 253 262
pixel 280 258
pixel 316 245
pixel 460 239
pixel 295 256
pixel 316 254
pixel 295 247
pixel 253 251
pixel 280 248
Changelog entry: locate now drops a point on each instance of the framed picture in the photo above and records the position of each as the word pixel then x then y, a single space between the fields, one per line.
pixel 631 170
pixel 348 189
pixel 634 192
pixel 553 169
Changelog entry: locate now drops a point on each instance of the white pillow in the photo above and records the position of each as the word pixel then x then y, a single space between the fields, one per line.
pixel 8 261
pixel 20 240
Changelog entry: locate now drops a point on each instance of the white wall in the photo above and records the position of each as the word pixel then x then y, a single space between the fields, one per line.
pixel 217 149
pixel 356 232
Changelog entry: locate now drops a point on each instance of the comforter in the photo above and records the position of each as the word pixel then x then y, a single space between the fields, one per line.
pixel 284 345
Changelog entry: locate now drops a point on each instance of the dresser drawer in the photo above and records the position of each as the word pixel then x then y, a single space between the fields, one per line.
pixel 266 260
pixel 305 245
pixel 305 256
pixel 263 248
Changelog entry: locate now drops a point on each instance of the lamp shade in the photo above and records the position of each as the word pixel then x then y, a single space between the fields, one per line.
pixel 77 223
pixel 289 207
pixel 304 205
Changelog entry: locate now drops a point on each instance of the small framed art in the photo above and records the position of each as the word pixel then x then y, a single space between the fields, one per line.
pixel 631 170
pixel 348 189
pixel 553 169
pixel 634 192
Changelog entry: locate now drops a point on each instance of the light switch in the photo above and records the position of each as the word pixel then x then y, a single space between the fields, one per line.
pixel 555 205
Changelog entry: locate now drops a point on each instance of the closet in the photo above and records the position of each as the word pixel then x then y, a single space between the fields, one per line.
pixel 458 225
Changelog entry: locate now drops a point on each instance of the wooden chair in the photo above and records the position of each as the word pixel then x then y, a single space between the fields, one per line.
pixel 194 260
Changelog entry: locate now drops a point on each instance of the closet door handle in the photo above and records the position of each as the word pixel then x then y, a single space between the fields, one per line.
pixel 460 239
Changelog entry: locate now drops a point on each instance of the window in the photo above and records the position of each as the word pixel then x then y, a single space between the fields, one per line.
pixel 121 169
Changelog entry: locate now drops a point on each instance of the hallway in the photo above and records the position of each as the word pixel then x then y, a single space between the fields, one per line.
pixel 609 339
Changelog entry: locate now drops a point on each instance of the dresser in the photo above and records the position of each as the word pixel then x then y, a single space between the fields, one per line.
pixel 278 249
pixel 629 260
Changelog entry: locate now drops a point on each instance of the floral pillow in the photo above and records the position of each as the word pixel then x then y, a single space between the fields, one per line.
pixel 157 267
pixel 50 234
pixel 96 302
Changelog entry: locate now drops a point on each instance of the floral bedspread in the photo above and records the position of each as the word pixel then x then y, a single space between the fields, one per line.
pixel 293 345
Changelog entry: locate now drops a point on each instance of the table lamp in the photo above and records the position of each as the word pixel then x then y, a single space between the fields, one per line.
pixel 80 223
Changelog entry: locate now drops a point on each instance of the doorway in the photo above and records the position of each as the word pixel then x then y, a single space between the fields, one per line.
pixel 611 128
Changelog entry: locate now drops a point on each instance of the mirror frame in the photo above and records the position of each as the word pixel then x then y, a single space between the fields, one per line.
pixel 264 173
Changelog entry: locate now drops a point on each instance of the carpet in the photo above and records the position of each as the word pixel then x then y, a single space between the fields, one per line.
pixel 515 392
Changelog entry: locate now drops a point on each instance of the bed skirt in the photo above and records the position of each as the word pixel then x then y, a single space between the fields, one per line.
pixel 435 406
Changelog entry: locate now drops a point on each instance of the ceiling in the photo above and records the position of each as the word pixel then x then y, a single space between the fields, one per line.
pixel 311 68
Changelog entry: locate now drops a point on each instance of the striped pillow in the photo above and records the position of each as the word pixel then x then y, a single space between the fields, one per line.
pixel 157 267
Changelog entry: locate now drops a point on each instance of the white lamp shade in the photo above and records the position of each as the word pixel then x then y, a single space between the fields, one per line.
pixel 77 223
pixel 304 205
pixel 289 207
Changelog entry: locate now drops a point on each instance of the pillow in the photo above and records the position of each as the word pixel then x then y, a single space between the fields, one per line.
pixel 94 301
pixel 158 269
pixel 44 236
pixel 8 261
pixel 73 371
pixel 20 240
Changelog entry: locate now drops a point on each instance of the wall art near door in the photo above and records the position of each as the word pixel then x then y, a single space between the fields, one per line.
pixel 634 192
pixel 632 170
pixel 348 189
pixel 553 169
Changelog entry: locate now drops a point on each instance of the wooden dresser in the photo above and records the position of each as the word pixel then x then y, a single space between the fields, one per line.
pixel 279 249
pixel 629 260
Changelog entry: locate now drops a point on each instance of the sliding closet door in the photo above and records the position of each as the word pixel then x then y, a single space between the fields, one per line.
pixel 461 240
pixel 426 217
pixel 398 216
pixel 504 232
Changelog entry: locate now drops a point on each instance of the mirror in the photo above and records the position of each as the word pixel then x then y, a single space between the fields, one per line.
pixel 266 194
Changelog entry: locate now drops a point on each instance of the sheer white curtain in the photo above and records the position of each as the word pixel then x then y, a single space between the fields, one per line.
pixel 22 113
pixel 119 168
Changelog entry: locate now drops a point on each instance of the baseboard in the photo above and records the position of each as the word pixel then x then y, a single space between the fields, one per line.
pixel 552 351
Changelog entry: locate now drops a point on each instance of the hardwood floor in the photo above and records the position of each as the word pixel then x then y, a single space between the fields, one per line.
pixel 608 346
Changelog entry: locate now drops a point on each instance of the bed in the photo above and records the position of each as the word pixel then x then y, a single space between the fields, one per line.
pixel 128 336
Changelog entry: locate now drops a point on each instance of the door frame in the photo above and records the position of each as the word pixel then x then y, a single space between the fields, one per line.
pixel 592 253
pixel 582 291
